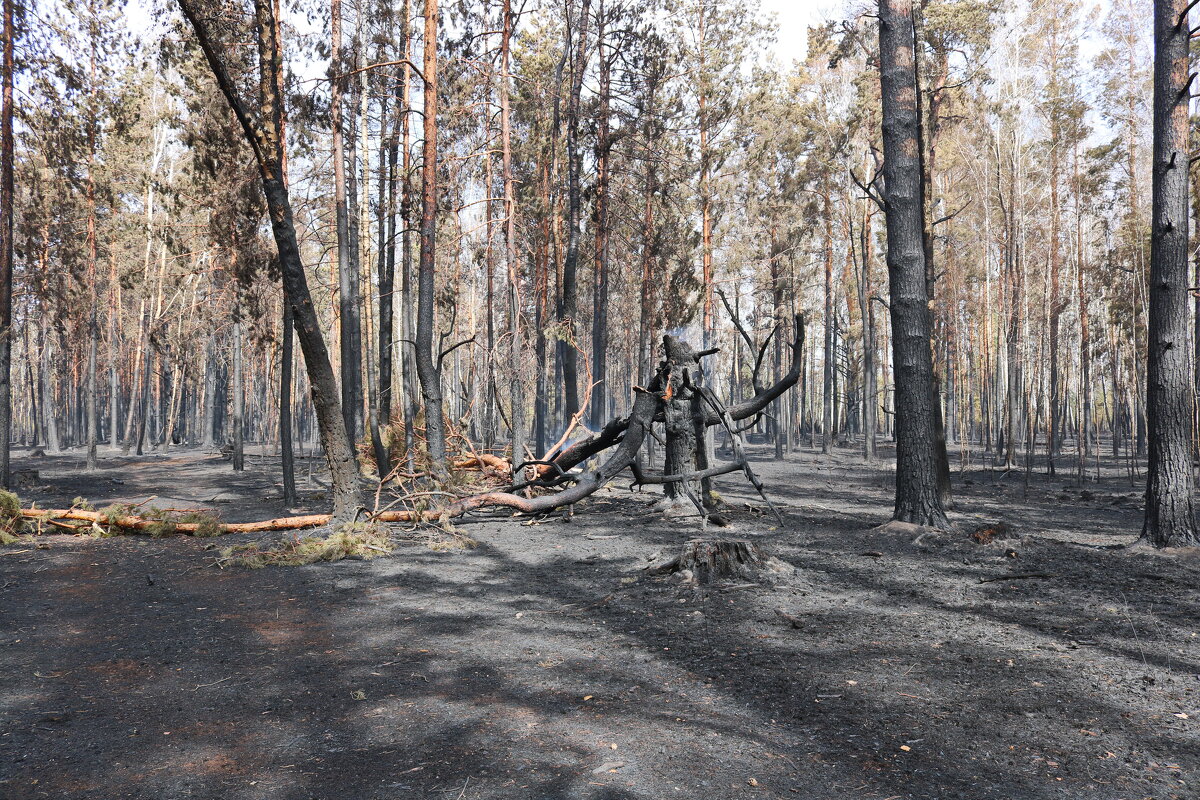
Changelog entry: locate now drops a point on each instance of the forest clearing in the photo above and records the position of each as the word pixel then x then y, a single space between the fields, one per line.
pixel 544 662
pixel 599 399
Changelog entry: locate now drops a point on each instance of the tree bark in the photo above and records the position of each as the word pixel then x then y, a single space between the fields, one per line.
pixel 6 238
pixel 287 456
pixel 1085 345
pixel 516 391
pixel 428 362
pixel 1055 300
pixel 92 324
pixel 1170 516
pixel 114 297
pixel 918 500
pixel 50 421
pixel 569 306
pixel 830 326
pixel 599 404
pixel 239 394
pixel 350 341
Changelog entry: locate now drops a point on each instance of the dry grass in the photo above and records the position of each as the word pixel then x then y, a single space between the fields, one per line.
pixel 356 540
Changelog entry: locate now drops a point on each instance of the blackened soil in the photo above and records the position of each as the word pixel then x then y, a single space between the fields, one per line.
pixel 546 664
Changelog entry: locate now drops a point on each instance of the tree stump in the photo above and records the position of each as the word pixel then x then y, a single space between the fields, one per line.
pixel 709 561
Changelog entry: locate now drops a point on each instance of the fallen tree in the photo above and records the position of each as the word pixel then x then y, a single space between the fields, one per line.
pixel 675 396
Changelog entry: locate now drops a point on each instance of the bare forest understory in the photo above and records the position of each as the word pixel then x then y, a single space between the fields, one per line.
pixel 546 662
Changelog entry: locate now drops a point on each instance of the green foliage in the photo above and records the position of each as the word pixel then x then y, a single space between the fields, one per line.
pixel 10 505
pixel 11 521
pixel 208 524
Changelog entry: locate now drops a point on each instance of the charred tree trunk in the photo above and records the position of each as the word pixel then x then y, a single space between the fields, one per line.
pixel 287 456
pixel 381 389
pixel 918 499
pixel 387 249
pixel 568 310
pixel 408 376
pixel 428 366
pixel 830 326
pixel 92 325
pixel 706 562
pixel 1170 516
pixel 49 421
pixel 239 395
pixel 346 241
pixel 1085 345
pixel 209 419
pixel 516 386
pixel 6 237
pixel 599 405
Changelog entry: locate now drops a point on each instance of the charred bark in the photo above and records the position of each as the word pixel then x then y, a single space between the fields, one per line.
pixel 6 238
pixel 1170 516
pixel 918 499
pixel 428 368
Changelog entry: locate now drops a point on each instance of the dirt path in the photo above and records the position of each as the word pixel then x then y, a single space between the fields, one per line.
pixel 544 664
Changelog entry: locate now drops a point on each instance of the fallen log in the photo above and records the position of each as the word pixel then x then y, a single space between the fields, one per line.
pixel 135 523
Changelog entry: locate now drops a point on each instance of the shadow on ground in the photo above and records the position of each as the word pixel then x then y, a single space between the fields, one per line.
pixel 545 664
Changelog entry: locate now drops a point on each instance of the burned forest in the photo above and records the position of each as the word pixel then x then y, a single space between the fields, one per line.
pixel 599 399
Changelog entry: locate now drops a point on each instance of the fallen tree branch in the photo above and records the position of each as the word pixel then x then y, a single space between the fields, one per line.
pixel 1024 576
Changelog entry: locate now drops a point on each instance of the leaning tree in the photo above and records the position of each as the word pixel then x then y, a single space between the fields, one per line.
pixel 264 132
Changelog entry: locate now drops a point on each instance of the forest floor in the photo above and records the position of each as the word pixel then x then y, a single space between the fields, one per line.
pixel 545 663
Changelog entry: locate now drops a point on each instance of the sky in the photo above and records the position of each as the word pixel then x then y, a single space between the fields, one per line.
pixel 794 17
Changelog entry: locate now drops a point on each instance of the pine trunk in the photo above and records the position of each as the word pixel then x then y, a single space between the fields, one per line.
pixel 918 500
pixel 1170 516
pixel 428 366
